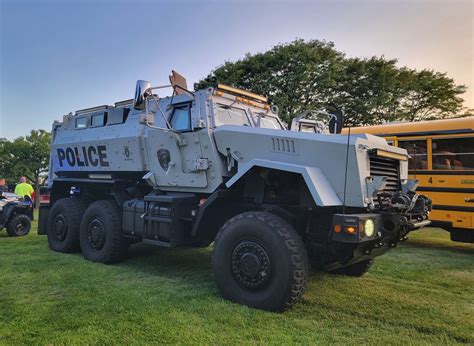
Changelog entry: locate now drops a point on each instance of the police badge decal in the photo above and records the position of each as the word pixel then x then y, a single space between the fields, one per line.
pixel 164 158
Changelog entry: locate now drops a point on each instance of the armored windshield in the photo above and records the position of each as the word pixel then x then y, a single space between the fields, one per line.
pixel 228 115
pixel 268 122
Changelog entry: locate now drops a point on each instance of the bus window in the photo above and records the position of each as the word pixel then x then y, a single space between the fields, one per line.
pixel 453 154
pixel 417 151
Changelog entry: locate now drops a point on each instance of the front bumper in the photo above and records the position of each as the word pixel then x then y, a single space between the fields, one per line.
pixel 389 227
pixel 351 242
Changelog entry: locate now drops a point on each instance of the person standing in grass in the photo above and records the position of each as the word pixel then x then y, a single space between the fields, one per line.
pixel 24 189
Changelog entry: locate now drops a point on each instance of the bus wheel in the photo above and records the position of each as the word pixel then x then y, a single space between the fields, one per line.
pixel 63 224
pixel 101 234
pixel 259 260
pixel 356 269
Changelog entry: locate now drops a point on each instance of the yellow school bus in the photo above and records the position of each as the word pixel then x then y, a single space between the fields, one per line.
pixel 442 159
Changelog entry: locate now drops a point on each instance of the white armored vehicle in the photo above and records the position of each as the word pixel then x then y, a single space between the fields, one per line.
pixel 218 165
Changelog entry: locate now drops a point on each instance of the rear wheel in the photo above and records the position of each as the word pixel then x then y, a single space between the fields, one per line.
pixel 101 233
pixel 356 269
pixel 259 260
pixel 19 225
pixel 64 220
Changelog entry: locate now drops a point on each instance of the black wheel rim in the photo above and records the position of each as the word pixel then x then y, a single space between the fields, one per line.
pixel 96 233
pixel 250 265
pixel 60 227
pixel 22 227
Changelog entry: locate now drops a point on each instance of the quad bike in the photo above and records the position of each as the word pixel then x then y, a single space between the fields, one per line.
pixel 16 214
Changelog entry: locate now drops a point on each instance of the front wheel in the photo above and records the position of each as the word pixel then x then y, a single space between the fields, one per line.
pixel 19 225
pixel 259 260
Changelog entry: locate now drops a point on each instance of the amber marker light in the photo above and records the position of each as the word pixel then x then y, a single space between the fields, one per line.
pixel 391 155
pixel 337 228
pixel 351 230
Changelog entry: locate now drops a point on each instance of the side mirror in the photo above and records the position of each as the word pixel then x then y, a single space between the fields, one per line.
pixel 142 90
pixel 335 124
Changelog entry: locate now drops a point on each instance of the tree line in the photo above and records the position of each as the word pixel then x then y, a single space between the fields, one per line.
pixel 301 76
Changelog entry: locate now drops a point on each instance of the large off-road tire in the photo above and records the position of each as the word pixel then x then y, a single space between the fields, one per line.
pixel 101 233
pixel 64 220
pixel 259 260
pixel 356 269
pixel 19 225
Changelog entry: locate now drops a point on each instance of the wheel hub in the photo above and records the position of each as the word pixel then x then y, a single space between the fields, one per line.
pixel 21 228
pixel 96 234
pixel 60 227
pixel 250 265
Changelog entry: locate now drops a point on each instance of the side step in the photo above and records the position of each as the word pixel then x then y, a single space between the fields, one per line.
pixel 157 242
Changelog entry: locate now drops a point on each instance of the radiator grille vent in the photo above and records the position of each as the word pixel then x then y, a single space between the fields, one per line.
pixel 388 168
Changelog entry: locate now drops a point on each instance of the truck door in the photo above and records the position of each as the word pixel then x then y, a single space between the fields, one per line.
pixel 175 157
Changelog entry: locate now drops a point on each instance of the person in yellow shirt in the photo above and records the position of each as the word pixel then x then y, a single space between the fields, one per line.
pixel 24 189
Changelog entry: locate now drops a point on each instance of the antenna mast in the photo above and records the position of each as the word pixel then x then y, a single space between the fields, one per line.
pixel 345 173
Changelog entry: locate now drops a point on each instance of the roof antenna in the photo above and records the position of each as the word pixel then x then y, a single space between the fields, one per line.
pixel 345 173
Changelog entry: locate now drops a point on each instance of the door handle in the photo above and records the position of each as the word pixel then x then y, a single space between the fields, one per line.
pixel 469 199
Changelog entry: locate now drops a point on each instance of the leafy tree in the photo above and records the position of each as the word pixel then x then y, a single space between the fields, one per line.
pixel 429 95
pixel 26 156
pixel 303 75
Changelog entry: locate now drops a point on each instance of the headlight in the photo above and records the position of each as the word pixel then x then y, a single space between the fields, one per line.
pixel 369 227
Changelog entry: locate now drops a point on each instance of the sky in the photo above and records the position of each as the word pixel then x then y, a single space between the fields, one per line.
pixel 60 56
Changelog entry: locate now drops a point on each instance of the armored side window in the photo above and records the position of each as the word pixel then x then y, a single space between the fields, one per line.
pixel 117 116
pixel 81 123
pixel 181 118
pixel 98 119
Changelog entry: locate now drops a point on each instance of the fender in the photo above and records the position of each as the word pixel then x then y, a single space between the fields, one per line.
pixel 319 187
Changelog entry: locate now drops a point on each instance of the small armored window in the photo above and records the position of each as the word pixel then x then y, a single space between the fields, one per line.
pixel 227 115
pixel 117 116
pixel 98 120
pixel 81 123
pixel 181 119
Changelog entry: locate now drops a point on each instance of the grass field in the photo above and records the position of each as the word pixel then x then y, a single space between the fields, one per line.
pixel 421 292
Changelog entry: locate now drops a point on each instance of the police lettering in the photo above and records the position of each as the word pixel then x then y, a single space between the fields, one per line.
pixel 84 156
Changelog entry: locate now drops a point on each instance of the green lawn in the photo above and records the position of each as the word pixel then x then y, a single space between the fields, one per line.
pixel 421 292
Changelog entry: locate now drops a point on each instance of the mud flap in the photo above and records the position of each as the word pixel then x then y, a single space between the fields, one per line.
pixel 43 219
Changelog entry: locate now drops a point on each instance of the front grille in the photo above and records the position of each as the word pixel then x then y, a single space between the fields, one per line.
pixel 389 168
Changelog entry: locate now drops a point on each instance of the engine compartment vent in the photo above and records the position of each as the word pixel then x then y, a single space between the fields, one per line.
pixel 284 145
pixel 386 167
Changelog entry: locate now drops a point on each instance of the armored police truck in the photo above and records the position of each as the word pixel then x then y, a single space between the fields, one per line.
pixel 219 166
